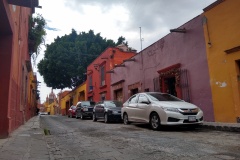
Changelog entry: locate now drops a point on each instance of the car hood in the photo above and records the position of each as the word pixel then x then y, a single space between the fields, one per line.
pixel 85 106
pixel 176 104
pixel 115 109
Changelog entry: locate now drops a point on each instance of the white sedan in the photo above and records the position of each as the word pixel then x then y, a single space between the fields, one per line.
pixel 158 109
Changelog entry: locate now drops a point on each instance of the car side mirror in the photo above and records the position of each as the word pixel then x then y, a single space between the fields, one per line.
pixel 145 102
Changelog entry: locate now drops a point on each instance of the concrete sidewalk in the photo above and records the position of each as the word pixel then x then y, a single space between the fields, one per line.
pixel 231 127
pixel 25 143
pixel 28 141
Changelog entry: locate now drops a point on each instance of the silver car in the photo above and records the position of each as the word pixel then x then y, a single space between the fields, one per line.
pixel 158 109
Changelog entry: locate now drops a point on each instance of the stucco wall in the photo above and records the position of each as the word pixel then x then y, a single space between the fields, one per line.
pixel 222 31
pixel 13 53
pixel 188 49
pixel 108 58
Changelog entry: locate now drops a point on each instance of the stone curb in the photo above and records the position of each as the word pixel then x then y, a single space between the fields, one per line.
pixel 222 127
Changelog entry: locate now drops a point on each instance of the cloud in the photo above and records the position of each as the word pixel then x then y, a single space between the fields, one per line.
pixel 52 29
pixel 114 18
pixel 155 17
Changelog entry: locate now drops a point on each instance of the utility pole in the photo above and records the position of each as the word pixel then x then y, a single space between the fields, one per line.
pixel 141 38
pixel 143 78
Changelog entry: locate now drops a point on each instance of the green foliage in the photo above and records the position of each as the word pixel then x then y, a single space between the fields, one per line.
pixel 66 59
pixel 36 33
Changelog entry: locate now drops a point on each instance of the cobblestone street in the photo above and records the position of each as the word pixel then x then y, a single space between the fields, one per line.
pixel 74 139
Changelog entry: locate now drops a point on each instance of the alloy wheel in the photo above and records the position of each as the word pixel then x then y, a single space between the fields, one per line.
pixel 125 119
pixel 155 121
pixel 106 118
pixel 81 116
pixel 94 117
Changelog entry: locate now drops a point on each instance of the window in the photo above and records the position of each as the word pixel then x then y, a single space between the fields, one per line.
pixel 90 83
pixel 102 96
pixel 102 74
pixel 133 99
pixel 142 99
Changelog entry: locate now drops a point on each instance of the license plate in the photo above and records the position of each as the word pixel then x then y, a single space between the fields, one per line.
pixel 85 109
pixel 192 119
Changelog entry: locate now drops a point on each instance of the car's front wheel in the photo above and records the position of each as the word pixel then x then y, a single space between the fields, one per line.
pixel 155 121
pixel 81 116
pixel 106 120
pixel 76 116
pixel 125 119
pixel 94 118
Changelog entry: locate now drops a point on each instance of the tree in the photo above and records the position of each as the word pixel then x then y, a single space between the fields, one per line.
pixel 36 34
pixel 66 59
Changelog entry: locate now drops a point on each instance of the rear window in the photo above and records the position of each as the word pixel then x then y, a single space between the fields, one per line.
pixel 113 104
pixel 88 103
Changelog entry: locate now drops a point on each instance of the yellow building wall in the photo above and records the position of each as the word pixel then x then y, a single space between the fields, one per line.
pixel 47 109
pixel 78 94
pixel 222 32
pixel 52 108
pixel 63 102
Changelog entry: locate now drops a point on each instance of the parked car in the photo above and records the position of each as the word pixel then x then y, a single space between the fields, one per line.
pixel 107 110
pixel 84 109
pixel 71 111
pixel 159 109
pixel 42 113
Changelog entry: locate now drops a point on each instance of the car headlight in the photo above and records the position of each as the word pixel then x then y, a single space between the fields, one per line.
pixel 170 109
pixel 115 112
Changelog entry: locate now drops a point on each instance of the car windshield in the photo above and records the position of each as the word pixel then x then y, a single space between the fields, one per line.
pixel 73 107
pixel 113 104
pixel 162 97
pixel 88 103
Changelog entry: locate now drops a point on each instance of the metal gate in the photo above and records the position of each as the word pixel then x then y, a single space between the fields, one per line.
pixel 184 85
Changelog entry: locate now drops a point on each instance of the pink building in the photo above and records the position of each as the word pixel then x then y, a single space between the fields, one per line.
pixel 176 64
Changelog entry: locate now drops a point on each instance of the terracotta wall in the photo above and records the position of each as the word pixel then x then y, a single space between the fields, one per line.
pixel 14 78
pixel 109 58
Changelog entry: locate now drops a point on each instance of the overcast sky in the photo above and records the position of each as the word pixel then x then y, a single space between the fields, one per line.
pixel 115 18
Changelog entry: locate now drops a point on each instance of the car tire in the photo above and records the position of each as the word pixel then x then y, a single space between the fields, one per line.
pixel 125 119
pixel 70 115
pixel 106 119
pixel 94 118
pixel 82 117
pixel 155 121
pixel 76 116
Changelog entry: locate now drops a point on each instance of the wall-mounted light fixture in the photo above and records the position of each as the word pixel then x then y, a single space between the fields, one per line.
pixel 96 67
pixel 111 71
pixel 128 60
pixel 179 30
pixel 119 65
pixel 33 81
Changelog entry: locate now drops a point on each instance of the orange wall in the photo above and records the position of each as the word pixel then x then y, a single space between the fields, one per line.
pixel 109 58
pixel 222 30
pixel 14 106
